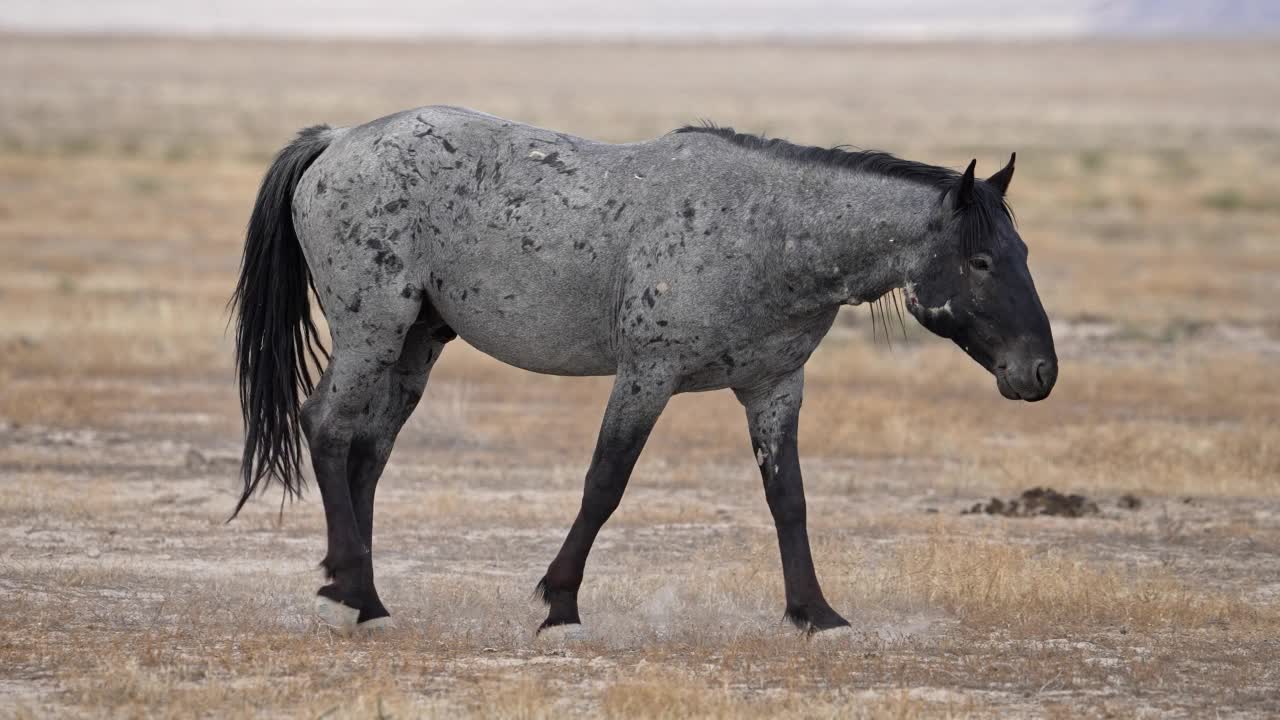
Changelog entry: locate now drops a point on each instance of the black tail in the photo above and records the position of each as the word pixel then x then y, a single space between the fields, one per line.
pixel 274 330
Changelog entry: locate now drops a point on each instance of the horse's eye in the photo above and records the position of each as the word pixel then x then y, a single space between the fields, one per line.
pixel 981 263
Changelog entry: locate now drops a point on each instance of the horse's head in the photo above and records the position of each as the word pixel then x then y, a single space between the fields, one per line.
pixel 973 286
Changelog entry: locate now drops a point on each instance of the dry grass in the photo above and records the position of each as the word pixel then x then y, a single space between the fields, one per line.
pixel 998 583
pixel 1146 185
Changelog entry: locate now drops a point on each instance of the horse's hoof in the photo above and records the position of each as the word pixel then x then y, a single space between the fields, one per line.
pixel 338 617
pixel 842 634
pixel 559 634
pixel 376 625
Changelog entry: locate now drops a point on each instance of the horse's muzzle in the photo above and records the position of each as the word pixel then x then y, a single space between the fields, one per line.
pixel 1031 379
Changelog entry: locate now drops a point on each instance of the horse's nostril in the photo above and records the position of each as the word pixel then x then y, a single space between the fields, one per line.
pixel 1041 371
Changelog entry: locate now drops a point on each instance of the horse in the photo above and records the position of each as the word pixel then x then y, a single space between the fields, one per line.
pixel 701 260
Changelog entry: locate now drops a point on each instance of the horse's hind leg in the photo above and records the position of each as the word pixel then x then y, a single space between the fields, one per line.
pixel 340 414
pixel 404 385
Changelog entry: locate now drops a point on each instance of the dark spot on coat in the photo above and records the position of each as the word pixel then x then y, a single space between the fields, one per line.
pixel 635 388
pixel 389 261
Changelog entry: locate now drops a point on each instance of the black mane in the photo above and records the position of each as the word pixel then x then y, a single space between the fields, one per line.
pixel 870 161
pixel 977 228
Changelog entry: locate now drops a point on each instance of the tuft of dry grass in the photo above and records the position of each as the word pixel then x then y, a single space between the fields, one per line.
pixel 992 583
pixel 665 695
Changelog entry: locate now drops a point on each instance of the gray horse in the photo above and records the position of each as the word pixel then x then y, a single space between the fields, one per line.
pixel 701 260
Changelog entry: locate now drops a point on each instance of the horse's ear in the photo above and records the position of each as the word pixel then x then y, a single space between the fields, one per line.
pixel 962 194
pixel 1000 180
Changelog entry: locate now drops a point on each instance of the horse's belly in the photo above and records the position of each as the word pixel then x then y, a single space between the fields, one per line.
pixel 535 343
pixel 553 320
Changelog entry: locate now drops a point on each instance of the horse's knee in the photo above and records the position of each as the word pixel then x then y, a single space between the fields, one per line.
pixel 787 508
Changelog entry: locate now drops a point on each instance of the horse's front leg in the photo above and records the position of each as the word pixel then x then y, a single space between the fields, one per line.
pixel 634 406
pixel 773 414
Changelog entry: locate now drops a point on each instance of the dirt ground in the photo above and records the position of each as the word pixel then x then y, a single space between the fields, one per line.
pixel 1148 189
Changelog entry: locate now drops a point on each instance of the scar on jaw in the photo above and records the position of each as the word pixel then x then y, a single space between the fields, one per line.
pixel 909 291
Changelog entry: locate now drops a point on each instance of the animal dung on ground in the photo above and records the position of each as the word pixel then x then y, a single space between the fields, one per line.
pixel 1037 501
pixel 1130 502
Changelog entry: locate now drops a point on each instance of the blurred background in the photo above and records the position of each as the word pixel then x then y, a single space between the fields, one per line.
pixel 698 20
pixel 132 138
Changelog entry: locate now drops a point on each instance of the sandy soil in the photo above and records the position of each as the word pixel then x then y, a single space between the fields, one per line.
pixel 1147 191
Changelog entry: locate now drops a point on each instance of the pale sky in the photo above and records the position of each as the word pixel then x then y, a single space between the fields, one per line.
pixel 636 18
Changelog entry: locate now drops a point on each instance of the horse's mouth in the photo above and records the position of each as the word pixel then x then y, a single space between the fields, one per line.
pixel 1005 388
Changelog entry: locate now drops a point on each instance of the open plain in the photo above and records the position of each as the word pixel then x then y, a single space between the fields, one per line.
pixel 1148 189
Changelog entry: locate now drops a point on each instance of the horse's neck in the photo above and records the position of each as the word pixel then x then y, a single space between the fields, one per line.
pixel 850 238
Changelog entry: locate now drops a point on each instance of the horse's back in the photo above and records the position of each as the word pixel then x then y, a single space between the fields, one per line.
pixel 514 234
